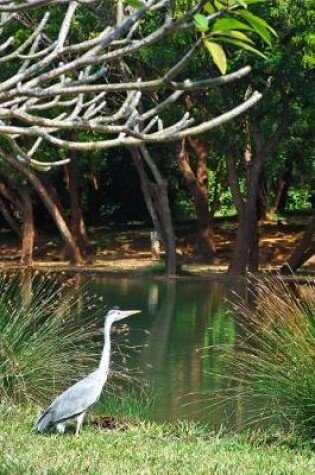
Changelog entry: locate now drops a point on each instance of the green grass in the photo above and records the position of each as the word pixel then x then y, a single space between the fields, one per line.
pixel 131 401
pixel 146 448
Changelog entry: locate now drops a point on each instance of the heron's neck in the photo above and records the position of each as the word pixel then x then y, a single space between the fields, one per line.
pixel 105 359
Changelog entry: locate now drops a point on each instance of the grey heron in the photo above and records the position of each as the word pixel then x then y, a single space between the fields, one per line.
pixel 83 395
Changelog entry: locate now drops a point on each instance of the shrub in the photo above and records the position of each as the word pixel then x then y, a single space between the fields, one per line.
pixel 273 365
pixel 46 339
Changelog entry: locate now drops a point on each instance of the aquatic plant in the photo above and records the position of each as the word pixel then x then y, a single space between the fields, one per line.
pixel 272 366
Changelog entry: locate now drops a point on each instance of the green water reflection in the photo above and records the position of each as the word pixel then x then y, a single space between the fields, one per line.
pixel 180 323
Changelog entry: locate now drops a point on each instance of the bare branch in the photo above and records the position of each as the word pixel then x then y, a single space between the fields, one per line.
pixel 55 84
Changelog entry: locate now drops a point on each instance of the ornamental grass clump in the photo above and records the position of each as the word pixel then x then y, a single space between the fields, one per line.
pixel 47 341
pixel 273 365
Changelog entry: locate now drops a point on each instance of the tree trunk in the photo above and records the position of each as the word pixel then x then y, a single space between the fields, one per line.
pixel 28 236
pixel 9 218
pixel 245 252
pixel 253 259
pixel 303 251
pixel 160 192
pixel 77 222
pixel 283 187
pixel 157 202
pixel 243 243
pixel 22 201
pixel 198 187
pixel 75 254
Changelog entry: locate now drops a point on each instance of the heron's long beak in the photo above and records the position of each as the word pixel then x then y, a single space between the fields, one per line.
pixel 128 313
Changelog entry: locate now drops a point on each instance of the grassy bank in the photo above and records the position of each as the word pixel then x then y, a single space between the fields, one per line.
pixel 144 448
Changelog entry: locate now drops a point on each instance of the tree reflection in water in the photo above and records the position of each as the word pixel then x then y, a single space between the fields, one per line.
pixel 181 324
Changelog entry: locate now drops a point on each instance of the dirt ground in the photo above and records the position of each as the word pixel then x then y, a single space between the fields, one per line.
pixel 127 249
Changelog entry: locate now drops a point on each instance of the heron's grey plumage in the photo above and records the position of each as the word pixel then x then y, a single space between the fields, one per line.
pixel 84 394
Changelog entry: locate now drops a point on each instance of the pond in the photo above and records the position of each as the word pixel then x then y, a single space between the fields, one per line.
pixel 179 324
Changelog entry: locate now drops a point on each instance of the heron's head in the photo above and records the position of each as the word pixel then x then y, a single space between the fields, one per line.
pixel 115 315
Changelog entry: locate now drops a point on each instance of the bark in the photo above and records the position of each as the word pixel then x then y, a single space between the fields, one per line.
pixel 245 253
pixel 54 196
pixel 303 251
pixel 22 201
pixel 161 201
pixel 75 254
pixel 283 187
pixel 197 185
pixel 245 248
pixel 77 223
pixel 157 202
pixel 28 236
pixel 253 259
pixel 9 218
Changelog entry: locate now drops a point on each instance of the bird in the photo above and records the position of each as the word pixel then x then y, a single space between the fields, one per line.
pixel 75 401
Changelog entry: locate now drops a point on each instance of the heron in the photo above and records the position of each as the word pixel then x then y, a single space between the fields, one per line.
pixel 75 401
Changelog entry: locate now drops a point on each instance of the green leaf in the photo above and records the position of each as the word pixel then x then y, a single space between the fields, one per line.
pixel 251 17
pixel 229 24
pixel 218 55
pixel 242 3
pixel 136 4
pixel 252 2
pixel 209 8
pixel 258 24
pixel 201 22
pixel 246 3
pixel 238 35
pixel 242 45
pixel 219 5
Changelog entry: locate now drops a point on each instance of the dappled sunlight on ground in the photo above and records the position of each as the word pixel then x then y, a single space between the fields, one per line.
pixel 128 249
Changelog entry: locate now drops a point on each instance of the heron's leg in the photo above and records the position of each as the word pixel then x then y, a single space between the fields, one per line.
pixel 61 427
pixel 79 423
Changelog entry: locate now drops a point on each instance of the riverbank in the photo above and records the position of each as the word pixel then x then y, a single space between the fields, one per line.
pixel 126 250
pixel 145 448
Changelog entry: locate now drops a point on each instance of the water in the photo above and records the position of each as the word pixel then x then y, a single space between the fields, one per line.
pixel 179 324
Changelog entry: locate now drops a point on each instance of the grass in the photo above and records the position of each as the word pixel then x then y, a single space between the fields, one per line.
pixel 272 365
pixel 46 340
pixel 32 349
pixel 146 448
pixel 131 401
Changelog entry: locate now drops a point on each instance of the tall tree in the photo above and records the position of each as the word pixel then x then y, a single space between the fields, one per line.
pixel 286 76
pixel 51 206
pixel 197 184
pixel 56 79
pixel 16 199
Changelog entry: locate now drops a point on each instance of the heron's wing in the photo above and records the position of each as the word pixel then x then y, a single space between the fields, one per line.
pixel 72 402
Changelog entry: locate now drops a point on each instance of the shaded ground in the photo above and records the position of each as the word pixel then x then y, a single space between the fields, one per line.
pixel 127 249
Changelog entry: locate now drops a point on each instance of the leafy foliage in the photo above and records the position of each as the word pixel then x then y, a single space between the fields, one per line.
pixel 226 30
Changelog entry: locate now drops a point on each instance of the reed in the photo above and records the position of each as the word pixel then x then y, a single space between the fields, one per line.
pixel 47 341
pixel 272 367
